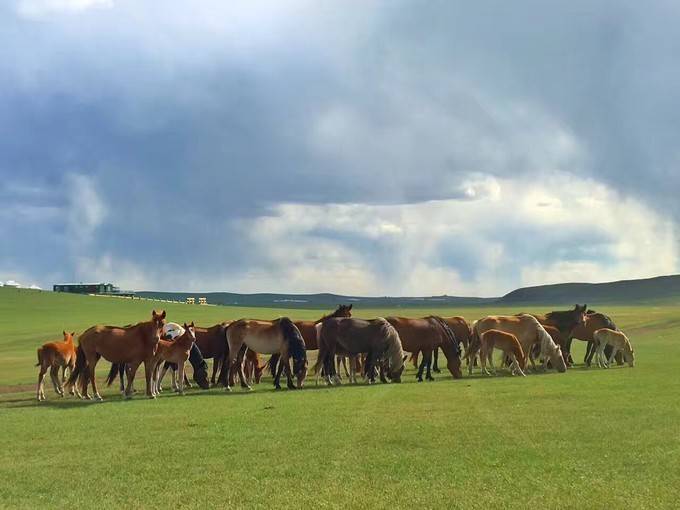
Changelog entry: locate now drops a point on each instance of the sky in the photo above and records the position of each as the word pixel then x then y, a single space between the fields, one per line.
pixel 357 147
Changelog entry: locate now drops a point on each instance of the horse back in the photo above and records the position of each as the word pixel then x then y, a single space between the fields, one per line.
pixel 416 334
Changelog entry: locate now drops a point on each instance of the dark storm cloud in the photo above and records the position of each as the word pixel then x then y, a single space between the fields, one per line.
pixel 186 124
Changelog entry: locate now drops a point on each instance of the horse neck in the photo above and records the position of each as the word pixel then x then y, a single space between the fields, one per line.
pixel 394 350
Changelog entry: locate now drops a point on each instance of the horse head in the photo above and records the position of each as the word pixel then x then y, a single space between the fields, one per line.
pixel 557 359
pixel 157 321
pixel 580 314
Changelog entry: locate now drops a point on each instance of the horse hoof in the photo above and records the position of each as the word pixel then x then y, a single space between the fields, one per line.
pixel 277 388
pixel 226 388
pixel 98 398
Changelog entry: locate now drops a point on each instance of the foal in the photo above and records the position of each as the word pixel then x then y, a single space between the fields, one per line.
pixel 176 351
pixel 618 341
pixel 506 342
pixel 53 356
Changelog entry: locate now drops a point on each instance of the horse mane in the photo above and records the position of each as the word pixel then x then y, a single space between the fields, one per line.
pixel 329 315
pixel 296 344
pixel 450 336
pixel 563 319
pixel 394 351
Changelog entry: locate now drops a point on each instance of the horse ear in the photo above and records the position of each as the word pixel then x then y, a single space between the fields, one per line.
pixel 73 333
pixel 163 315
pixel 63 332
pixel 350 307
pixel 153 313
pixel 192 324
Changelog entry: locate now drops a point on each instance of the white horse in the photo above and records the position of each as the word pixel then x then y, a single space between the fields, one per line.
pixel 618 341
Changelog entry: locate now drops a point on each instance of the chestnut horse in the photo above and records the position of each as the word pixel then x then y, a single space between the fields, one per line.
pixel 173 351
pixel 133 345
pixel 528 331
pixel 427 335
pixel 53 356
pixel 280 336
pixel 376 337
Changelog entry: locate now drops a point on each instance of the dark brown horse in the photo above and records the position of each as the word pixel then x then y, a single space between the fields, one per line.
pixel 594 321
pixel 377 338
pixel 133 345
pixel 427 336
pixel 212 343
pixel 565 321
pixel 461 330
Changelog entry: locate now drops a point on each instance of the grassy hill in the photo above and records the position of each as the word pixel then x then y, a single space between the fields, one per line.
pixel 663 289
pixel 649 290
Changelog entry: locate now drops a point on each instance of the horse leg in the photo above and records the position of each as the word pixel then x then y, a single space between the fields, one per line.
pixel 180 377
pixel 93 380
pixel 611 356
pixel 289 376
pixel 344 365
pixel 336 366
pixel 217 364
pixel 148 373
pixel 591 350
pixel 131 370
pixel 54 376
pixel 41 383
pixel 419 375
pixel 241 375
pixel 435 366
pixel 489 357
pixel 428 365
pixel 277 374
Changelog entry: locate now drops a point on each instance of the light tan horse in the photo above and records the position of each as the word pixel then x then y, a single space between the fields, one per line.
pixel 173 351
pixel 506 342
pixel 280 336
pixel 528 331
pixel 619 342
pixel 133 345
pixel 53 356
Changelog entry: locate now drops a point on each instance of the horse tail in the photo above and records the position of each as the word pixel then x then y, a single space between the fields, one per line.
pixel 321 334
pixel 81 363
pixel 293 337
pixel 224 369
pixel 39 357
pixel 113 372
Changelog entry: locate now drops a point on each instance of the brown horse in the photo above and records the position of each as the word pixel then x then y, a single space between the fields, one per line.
pixel 528 331
pixel 308 330
pixel 461 330
pixel 212 343
pixel 53 356
pixel 594 321
pixel 280 336
pixel 427 336
pixel 173 351
pixel 376 337
pixel 133 345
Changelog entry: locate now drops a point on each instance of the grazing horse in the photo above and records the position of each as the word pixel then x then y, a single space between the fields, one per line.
pixel 213 344
pixel 174 351
pixel 427 336
pixel 280 336
pixel 565 321
pixel 618 341
pixel 133 345
pixel 506 342
pixel 527 330
pixel 461 330
pixel 53 356
pixel 308 330
pixel 376 337
pixel 594 321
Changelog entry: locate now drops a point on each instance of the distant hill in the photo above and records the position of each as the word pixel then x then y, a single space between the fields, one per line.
pixel 317 300
pixel 661 288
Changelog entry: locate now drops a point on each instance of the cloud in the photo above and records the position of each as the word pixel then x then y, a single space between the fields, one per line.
pixel 375 147
pixel 41 8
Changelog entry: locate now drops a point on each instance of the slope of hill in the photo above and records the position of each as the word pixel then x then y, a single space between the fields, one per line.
pixel 662 288
pixel 318 300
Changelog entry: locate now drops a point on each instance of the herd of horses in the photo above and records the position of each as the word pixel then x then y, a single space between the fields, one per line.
pixel 369 348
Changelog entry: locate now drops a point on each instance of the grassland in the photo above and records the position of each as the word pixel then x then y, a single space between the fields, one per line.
pixel 588 438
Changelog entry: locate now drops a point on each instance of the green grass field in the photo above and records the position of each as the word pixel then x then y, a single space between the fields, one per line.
pixel 590 438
